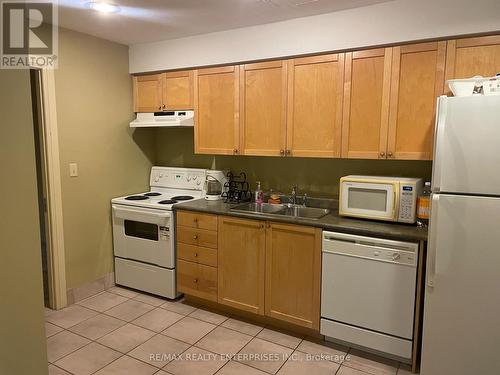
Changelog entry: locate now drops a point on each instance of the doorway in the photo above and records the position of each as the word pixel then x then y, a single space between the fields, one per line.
pixel 38 131
pixel 49 187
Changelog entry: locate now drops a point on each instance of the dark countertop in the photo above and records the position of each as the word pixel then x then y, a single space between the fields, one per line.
pixel 331 222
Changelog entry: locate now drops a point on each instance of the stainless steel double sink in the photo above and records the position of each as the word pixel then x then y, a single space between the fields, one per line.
pixel 290 210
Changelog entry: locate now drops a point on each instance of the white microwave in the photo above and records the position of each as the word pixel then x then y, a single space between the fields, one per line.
pixel 380 198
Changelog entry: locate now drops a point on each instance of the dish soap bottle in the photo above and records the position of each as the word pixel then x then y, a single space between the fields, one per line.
pixel 424 206
pixel 258 194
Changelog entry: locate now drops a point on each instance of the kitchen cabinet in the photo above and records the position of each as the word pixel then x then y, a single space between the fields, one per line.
pixel 147 93
pixel 241 263
pixel 196 247
pixel 178 90
pixel 263 94
pixel 366 103
pixel 165 91
pixel 315 90
pixel 197 280
pixel 261 267
pixel 469 57
pixel 417 79
pixel 216 104
pixel 293 269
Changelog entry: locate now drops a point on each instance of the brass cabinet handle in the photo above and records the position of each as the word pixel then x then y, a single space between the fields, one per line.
pixel 389 154
pixel 195 237
pixel 195 220
pixel 196 281
pixel 163 106
pixel 159 107
pixel 261 226
pixel 196 255
pixel 288 152
pixel 235 151
pixel 382 154
pixel 282 152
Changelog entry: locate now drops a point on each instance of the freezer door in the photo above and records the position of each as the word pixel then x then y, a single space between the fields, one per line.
pixel 467 148
pixel 461 334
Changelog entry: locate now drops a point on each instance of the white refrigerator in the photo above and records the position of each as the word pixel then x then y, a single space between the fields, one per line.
pixel 461 327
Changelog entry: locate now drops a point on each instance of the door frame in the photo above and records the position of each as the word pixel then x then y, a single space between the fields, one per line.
pixel 49 147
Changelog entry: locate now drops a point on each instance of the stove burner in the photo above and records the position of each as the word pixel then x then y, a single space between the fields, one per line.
pixel 167 201
pixel 152 194
pixel 136 198
pixel 182 197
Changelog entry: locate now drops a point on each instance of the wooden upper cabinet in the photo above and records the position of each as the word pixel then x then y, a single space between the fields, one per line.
pixel 293 269
pixel 263 93
pixel 315 89
pixel 469 57
pixel 241 263
pixel 366 103
pixel 216 104
pixel 417 80
pixel 147 93
pixel 178 90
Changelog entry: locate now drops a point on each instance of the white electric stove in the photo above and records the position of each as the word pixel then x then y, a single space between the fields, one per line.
pixel 143 230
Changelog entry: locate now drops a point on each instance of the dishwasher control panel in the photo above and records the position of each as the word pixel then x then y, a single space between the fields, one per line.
pixel 398 252
pixel 400 257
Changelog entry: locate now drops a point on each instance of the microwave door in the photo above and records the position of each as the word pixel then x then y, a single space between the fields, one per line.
pixel 369 200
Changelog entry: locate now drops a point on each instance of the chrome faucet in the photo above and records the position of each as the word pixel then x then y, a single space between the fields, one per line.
pixel 294 194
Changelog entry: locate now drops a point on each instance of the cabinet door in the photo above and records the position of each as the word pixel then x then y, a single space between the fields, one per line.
pixel 417 80
pixel 241 263
pixel 366 103
pixel 315 90
pixel 216 104
pixel 263 108
pixel 147 93
pixel 178 90
pixel 473 56
pixel 293 269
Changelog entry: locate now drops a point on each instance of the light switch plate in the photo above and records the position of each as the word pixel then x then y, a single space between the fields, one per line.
pixel 73 170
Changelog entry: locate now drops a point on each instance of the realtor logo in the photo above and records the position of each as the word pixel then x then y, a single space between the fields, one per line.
pixel 29 35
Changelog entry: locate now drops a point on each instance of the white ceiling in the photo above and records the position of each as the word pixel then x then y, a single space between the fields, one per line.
pixel 154 20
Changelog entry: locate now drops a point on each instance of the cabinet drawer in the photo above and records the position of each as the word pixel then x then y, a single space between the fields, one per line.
pixel 197 237
pixel 197 220
pixel 197 254
pixel 197 280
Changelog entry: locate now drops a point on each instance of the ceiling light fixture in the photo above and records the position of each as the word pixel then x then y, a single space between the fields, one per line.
pixel 103 7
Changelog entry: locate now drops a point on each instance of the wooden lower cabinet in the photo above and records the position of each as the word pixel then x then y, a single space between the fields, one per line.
pixel 241 263
pixel 293 274
pixel 197 280
pixel 264 268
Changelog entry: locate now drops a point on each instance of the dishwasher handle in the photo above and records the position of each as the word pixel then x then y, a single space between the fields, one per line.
pixel 396 252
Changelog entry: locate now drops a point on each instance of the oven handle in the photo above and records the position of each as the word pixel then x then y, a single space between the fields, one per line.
pixel 147 216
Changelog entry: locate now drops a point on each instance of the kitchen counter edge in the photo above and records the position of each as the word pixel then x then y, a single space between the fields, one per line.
pixel 331 222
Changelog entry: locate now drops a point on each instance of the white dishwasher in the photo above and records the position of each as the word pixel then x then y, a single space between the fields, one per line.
pixel 368 293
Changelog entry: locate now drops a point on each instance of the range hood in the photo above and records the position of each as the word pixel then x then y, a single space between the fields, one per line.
pixel 163 119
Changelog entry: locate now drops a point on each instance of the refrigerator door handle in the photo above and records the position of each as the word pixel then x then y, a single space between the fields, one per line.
pixel 438 141
pixel 431 251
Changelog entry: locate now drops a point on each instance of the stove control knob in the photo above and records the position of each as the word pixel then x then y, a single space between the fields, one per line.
pixel 195 177
pixel 198 182
pixel 157 179
pixel 188 178
pixel 161 175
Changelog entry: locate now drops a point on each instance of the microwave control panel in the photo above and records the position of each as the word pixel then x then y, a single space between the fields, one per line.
pixel 408 194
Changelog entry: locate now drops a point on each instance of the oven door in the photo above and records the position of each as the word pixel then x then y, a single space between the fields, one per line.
pixel 370 200
pixel 143 234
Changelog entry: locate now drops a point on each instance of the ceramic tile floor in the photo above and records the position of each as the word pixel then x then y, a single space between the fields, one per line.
pixel 120 331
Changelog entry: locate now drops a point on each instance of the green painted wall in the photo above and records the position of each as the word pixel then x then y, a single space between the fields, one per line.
pixel 318 177
pixel 22 333
pixel 94 108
